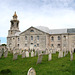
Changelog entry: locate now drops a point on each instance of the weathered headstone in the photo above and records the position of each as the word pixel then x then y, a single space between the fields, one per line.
pixel 27 54
pixel 5 53
pixel 15 56
pixel 60 54
pixel 39 52
pixel 0 53
pixel 46 51
pixel 23 54
pixel 32 54
pixel 31 71
pixel 39 59
pixel 35 52
pixel 53 51
pixel 71 56
pixel 50 56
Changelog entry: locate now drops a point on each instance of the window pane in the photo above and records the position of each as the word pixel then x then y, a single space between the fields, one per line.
pixel 25 37
pixel 37 37
pixel 31 37
pixel 58 37
pixel 52 38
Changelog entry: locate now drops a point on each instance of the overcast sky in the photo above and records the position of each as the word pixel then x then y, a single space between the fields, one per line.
pixel 54 14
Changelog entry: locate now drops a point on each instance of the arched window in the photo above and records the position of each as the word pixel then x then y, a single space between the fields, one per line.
pixel 18 45
pixel 52 38
pixel 59 38
pixel 65 38
pixel 58 45
pixel 18 39
pixel 31 30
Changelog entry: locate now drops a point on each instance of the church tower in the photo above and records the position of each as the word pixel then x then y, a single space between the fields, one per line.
pixel 14 29
pixel 14 25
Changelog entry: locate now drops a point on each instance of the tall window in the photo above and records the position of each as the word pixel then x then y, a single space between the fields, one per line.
pixel 37 45
pixel 18 39
pixel 52 45
pixel 59 38
pixel 25 37
pixel 31 37
pixel 11 32
pixel 52 38
pixel 37 37
pixel 65 38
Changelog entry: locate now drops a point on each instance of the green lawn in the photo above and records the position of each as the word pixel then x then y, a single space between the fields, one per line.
pixel 61 66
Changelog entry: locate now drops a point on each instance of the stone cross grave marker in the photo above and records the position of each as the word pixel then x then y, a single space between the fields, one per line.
pixel 39 59
pixel 31 71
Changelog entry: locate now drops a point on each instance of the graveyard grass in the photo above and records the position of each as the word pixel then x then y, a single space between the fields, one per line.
pixel 61 66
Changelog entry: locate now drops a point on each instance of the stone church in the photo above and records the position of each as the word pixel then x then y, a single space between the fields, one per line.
pixel 39 38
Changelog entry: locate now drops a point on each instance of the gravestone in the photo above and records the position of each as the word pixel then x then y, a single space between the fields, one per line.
pixel 27 54
pixel 32 54
pixel 39 59
pixel 23 54
pixel 31 71
pixel 0 53
pixel 71 56
pixel 60 54
pixel 5 53
pixel 46 51
pixel 39 52
pixel 15 56
pixel 53 51
pixel 35 52
pixel 50 56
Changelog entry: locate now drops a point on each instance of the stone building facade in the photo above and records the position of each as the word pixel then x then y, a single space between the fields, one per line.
pixel 39 38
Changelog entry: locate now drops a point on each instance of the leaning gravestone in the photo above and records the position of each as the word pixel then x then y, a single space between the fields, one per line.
pixel 32 54
pixel 15 56
pixel 31 71
pixel 50 56
pixel 5 53
pixel 27 54
pixel 23 54
pixel 39 59
pixel 0 53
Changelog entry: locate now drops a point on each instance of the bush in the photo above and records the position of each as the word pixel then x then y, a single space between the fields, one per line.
pixel 5 71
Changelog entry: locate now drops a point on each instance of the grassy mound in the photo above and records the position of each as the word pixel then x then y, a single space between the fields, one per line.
pixel 61 66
